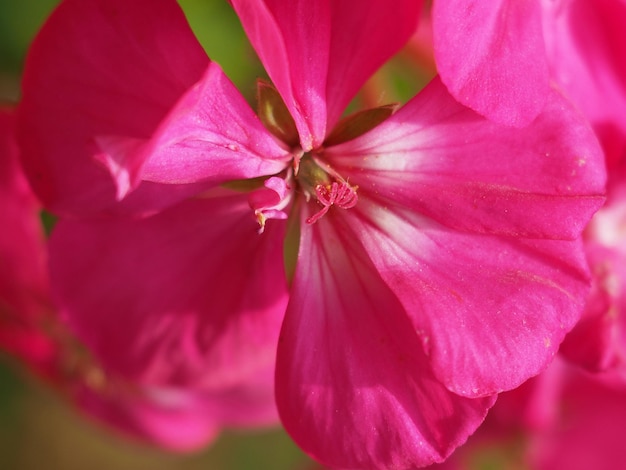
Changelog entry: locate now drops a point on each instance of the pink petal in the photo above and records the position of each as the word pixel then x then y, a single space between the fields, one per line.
pixel 248 405
pixel 191 296
pixel 274 192
pixel 452 165
pixel 490 311
pixel 318 54
pixel 490 55
pixel 587 58
pixel 589 432
pixel 100 69
pixel 353 386
pixel 528 408
pixel 268 202
pixel 212 135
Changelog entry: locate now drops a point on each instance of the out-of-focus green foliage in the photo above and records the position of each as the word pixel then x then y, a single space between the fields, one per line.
pixel 218 29
pixel 19 21
pixel 38 431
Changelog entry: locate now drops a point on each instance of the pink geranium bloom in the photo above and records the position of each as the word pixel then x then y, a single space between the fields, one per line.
pixel 415 263
pixel 32 332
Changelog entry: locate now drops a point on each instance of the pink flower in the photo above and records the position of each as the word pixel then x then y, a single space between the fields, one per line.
pixel 415 262
pixel 32 332
pixel 586 431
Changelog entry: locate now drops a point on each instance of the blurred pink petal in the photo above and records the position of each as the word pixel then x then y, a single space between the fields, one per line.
pixel 23 277
pixel 588 430
pixel 587 58
pixel 24 289
pixel 31 331
pixel 80 89
pixel 191 296
pixel 168 419
pixel 562 419
pixel 181 419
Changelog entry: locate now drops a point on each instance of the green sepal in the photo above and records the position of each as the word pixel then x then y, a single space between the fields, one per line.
pixel 291 246
pixel 245 185
pixel 274 114
pixel 48 221
pixel 358 124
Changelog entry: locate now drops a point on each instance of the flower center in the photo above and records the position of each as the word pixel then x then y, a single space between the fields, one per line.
pixel 309 175
pixel 339 194
pixel 320 181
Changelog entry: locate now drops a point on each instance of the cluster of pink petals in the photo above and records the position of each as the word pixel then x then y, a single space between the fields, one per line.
pixel 396 281
pixel 33 332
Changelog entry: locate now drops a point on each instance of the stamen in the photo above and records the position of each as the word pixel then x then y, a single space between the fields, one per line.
pixel 338 194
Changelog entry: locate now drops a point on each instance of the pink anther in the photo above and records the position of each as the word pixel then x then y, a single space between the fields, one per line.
pixel 340 194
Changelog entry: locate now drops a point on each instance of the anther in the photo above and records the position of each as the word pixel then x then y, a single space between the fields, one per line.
pixel 335 194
